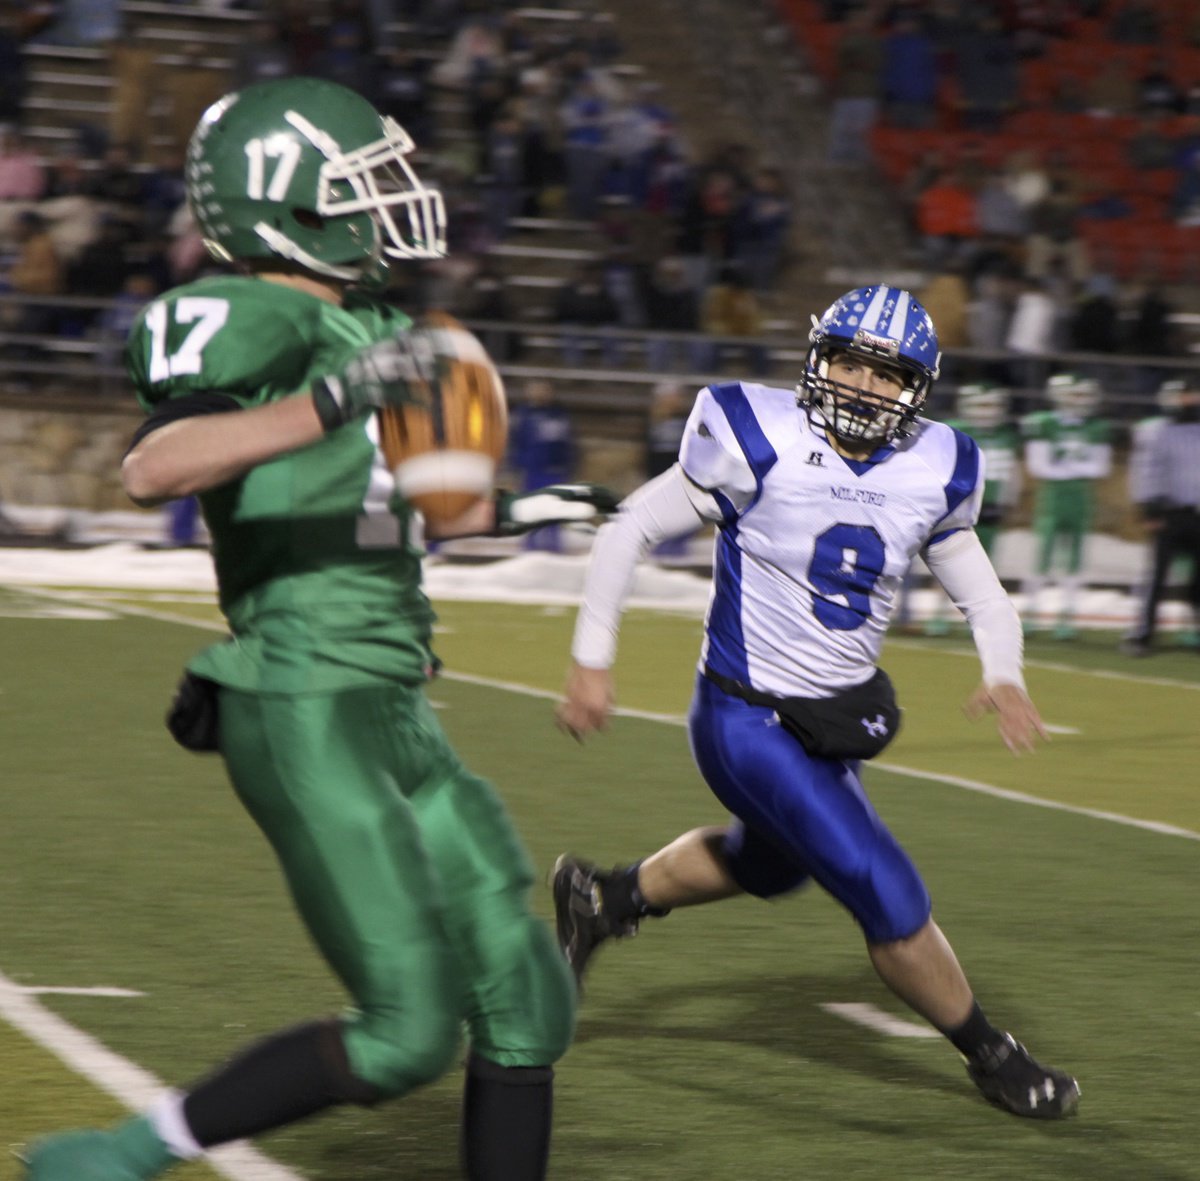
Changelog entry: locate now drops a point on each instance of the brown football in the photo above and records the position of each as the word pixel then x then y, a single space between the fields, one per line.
pixel 444 453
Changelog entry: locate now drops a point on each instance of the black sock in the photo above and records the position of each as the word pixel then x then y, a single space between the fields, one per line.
pixel 623 899
pixel 278 1081
pixel 506 1120
pixel 975 1036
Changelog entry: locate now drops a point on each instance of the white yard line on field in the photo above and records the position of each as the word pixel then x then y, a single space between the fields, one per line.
pixel 975 785
pixel 125 1081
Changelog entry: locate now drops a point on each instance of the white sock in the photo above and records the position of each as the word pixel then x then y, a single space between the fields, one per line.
pixel 167 1117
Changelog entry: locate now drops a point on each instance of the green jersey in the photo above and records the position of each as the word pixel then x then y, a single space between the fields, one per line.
pixel 1001 448
pixel 318 560
pixel 1060 448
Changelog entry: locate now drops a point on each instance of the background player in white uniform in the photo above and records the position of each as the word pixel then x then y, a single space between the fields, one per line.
pixel 820 510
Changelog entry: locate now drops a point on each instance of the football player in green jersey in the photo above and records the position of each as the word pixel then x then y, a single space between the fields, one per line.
pixel 983 413
pixel 260 389
pixel 1067 450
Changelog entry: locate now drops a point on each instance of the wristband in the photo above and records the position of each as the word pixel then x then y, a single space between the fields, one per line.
pixel 327 395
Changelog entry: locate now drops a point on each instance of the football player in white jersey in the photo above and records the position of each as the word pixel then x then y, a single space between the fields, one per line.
pixel 820 503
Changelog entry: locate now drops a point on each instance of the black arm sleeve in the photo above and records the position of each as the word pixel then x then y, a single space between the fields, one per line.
pixel 176 408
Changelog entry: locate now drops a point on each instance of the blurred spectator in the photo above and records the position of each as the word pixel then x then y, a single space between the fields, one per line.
pixel 541 450
pixel 945 215
pixel 854 89
pixel 910 73
pixel 583 301
pixel 1169 501
pixel 706 223
pixel 1112 90
pixel 542 143
pixel 1033 331
pixel 13 73
pixel 635 127
pixel 117 181
pixel 102 266
pixel 402 91
pixel 1135 22
pixel 86 22
pixel 1157 91
pixel 22 174
pixel 263 53
pixel 66 175
pixel 162 191
pixel 731 316
pixel 115 321
pixel 585 113
pixel 988 315
pixel 998 212
pixel 624 282
pixel 504 168
pixel 1053 236
pixel 760 229
pixel 1149 146
pixel 35 269
pixel 673 305
pixel 1026 177
pixel 476 51
pixel 1094 325
pixel 670 405
pixel 347 59
pixel 487 298
pixel 987 73
pixel 945 297
pixel 1150 332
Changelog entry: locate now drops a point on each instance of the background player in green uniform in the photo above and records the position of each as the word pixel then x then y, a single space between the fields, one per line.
pixel 1067 449
pixel 260 389
pixel 983 413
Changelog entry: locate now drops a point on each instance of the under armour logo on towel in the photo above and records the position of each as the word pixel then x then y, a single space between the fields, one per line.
pixel 877 728
pixel 816 459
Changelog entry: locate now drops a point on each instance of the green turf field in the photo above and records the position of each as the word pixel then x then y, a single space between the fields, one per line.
pixel 704 1052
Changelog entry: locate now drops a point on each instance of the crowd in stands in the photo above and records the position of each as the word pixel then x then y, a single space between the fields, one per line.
pixel 544 122
pixel 1077 123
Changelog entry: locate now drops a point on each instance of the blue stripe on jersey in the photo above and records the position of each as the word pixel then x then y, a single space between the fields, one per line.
pixel 939 537
pixel 726 641
pixel 758 451
pixel 966 472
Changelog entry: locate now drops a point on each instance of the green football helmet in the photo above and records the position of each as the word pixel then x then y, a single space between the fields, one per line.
pixel 306 170
pixel 982 405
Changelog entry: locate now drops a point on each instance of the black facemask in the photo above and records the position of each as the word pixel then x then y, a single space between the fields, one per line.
pixel 1187 414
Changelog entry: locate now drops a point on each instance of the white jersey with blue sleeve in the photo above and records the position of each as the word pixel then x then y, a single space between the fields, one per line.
pixel 812 546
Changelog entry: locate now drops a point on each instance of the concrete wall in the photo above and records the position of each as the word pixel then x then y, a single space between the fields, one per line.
pixel 64 451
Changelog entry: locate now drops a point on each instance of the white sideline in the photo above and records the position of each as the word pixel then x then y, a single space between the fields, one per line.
pixel 123 1080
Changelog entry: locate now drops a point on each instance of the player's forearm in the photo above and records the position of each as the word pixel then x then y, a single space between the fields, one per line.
pixel 194 454
pixel 659 509
pixel 963 568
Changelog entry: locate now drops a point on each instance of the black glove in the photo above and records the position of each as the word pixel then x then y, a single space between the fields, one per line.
pixel 396 371
pixel 556 504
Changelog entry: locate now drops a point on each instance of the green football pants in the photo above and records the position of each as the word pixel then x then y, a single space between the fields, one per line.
pixel 409 876
pixel 1063 513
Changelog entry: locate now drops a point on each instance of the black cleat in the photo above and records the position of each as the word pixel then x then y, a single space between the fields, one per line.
pixel 1011 1079
pixel 580 922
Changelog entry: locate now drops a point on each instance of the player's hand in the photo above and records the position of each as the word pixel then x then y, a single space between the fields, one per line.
pixel 1017 718
pixel 556 504
pixel 588 700
pixel 395 371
